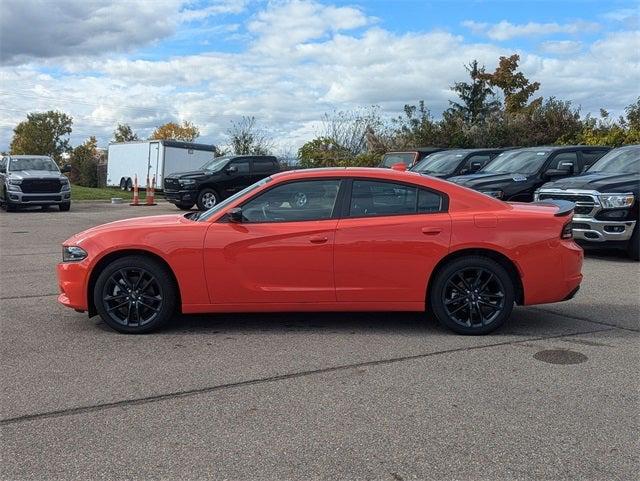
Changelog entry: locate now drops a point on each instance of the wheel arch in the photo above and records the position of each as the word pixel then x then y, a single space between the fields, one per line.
pixel 499 257
pixel 112 256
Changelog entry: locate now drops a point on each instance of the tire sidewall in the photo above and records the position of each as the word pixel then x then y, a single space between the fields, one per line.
pixel 164 278
pixel 439 284
pixel 202 193
pixel 633 249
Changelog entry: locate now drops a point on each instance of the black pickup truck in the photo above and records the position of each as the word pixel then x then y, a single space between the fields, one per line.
pixel 606 198
pixel 449 163
pixel 217 179
pixel 516 174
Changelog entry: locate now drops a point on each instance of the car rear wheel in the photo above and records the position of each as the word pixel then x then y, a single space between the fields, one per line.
pixel 207 198
pixel 135 295
pixel 472 295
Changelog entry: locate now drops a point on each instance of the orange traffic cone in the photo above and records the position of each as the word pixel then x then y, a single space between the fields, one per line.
pixel 151 192
pixel 136 196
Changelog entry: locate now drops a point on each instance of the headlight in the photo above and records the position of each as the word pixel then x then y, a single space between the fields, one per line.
pixel 73 253
pixel 14 181
pixel 612 201
pixel 498 194
pixel 186 182
pixel 13 185
pixel 65 183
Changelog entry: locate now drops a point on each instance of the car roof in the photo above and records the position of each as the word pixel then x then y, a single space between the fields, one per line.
pixel 377 172
pixel 22 156
pixel 555 148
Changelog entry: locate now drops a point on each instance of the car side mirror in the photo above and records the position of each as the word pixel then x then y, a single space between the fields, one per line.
pixel 235 214
pixel 66 168
pixel 232 169
pixel 566 166
pixel 475 166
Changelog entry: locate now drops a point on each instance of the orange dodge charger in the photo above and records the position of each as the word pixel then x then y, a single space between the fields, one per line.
pixel 329 240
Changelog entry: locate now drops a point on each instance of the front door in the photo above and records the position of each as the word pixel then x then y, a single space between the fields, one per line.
pixel 390 242
pixel 282 252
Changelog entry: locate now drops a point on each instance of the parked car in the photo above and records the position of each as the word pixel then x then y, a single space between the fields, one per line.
pixel 152 158
pixel 407 157
pixel 606 198
pixel 217 179
pixel 449 163
pixel 516 174
pixel 28 180
pixel 367 240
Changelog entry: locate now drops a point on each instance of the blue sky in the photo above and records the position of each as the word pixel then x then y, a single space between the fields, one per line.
pixel 287 62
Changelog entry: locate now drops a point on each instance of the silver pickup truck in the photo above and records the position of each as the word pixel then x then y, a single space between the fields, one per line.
pixel 27 180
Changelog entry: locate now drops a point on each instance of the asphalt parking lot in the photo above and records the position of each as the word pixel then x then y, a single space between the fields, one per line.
pixel 552 395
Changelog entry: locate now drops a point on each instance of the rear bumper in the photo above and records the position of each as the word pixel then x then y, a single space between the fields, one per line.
pixel 181 196
pixel 72 283
pixel 23 198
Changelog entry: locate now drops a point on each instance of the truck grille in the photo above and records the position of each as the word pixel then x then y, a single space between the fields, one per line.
pixel 171 184
pixel 35 186
pixel 584 203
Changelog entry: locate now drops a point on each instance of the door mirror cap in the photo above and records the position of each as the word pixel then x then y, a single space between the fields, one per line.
pixel 553 173
pixel 66 168
pixel 235 214
pixel 232 169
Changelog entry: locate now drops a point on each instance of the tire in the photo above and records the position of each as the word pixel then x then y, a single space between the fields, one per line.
pixel 633 248
pixel 207 198
pixel 129 185
pixel 184 206
pixel 65 207
pixel 135 295
pixel 461 307
pixel 123 184
pixel 10 206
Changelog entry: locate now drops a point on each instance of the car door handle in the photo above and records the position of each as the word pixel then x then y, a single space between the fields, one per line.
pixel 431 230
pixel 318 239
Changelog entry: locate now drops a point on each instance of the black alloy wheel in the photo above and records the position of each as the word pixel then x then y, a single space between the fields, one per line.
pixel 473 295
pixel 135 294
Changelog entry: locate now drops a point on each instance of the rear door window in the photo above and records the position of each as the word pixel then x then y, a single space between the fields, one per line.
pixel 263 166
pixel 380 198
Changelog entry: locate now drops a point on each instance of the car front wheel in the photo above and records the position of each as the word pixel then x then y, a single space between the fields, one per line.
pixel 135 294
pixel 207 198
pixel 472 295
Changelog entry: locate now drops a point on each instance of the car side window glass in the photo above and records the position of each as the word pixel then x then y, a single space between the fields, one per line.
pixel 294 202
pixel 429 202
pixel 375 198
pixel 261 166
pixel 564 160
pixel 241 165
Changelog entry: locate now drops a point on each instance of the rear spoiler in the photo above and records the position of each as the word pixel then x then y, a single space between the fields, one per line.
pixel 564 206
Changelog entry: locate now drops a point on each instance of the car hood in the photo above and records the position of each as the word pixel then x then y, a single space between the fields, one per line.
pixel 188 175
pixel 599 181
pixel 35 174
pixel 489 180
pixel 136 223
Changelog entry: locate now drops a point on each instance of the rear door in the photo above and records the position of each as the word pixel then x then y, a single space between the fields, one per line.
pixel 262 167
pixel 388 242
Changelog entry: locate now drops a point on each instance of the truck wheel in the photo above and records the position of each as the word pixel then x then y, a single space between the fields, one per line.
pixel 9 206
pixel 184 206
pixel 633 248
pixel 207 198
pixel 123 184
pixel 65 207
pixel 472 295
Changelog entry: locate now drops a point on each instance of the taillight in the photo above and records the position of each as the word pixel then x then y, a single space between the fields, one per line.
pixel 567 231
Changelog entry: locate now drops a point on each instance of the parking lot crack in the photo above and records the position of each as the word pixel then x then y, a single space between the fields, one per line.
pixel 270 379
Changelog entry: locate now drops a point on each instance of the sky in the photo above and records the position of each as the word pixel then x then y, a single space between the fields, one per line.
pixel 288 62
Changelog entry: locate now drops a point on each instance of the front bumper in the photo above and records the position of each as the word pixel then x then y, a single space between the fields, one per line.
pixel 72 282
pixel 181 196
pixel 588 229
pixel 62 197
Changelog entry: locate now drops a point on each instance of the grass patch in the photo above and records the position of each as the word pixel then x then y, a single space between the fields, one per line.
pixel 100 193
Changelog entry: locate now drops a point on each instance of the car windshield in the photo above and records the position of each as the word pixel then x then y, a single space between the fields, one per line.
pixel 440 162
pixel 622 160
pixel 33 163
pixel 517 162
pixel 215 164
pixel 200 216
pixel 389 160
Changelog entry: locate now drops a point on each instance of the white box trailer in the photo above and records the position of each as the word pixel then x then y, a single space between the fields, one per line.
pixel 147 158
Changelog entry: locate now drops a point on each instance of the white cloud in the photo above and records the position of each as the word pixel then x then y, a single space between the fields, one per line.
pixel 561 47
pixel 505 30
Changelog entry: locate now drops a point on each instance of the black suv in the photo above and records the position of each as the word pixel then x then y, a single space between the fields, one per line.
pixel 448 163
pixel 217 180
pixel 515 175
pixel 606 198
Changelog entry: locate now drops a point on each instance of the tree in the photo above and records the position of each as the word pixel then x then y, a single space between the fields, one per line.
pixel 187 132
pixel 246 138
pixel 477 98
pixel 514 85
pixel 84 163
pixel 351 129
pixel 416 128
pixel 43 133
pixel 124 133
